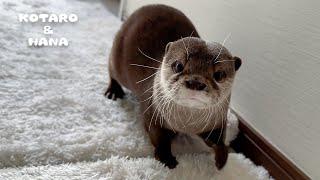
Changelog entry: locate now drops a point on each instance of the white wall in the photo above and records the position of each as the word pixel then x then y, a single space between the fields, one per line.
pixel 278 87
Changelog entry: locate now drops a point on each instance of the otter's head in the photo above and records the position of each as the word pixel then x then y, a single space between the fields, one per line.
pixel 195 73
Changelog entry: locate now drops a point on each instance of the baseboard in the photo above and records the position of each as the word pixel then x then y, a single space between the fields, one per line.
pixel 250 143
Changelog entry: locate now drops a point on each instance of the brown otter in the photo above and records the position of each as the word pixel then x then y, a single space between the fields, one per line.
pixel 183 83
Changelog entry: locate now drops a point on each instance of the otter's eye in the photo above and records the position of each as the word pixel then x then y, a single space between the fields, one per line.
pixel 177 66
pixel 219 76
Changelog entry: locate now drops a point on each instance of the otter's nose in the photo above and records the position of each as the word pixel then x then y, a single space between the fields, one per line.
pixel 195 85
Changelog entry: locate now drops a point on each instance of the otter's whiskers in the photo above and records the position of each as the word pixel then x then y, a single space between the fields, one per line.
pixel 148 56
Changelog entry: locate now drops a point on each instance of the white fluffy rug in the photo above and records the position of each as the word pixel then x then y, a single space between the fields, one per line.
pixel 54 120
pixel 190 167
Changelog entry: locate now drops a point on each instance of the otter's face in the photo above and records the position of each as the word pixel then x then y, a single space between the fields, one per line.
pixel 198 74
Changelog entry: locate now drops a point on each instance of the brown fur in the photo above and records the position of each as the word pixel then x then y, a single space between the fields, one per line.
pixel 151 29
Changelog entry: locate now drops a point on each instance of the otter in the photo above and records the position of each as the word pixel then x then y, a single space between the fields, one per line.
pixel 182 82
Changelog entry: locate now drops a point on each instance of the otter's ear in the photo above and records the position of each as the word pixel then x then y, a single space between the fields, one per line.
pixel 237 63
pixel 167 47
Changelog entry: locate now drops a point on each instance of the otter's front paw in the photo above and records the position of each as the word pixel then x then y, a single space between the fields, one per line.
pixel 114 91
pixel 221 156
pixel 167 159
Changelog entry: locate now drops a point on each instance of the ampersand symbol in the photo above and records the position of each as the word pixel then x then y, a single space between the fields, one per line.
pixel 47 30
